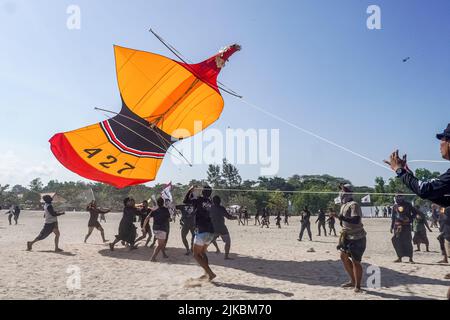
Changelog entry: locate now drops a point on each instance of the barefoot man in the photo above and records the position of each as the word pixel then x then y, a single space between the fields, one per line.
pixel 420 226
pixel 144 212
pixel 435 190
pixel 51 224
pixel 205 230
pixel 161 221
pixel 352 242
pixel 402 219
pixel 218 214
pixel 127 230
pixel 93 220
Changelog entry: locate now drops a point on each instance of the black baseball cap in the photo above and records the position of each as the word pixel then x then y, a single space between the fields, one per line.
pixel 445 134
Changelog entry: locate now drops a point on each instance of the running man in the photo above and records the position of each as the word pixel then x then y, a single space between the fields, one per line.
pixel 51 224
pixel 161 221
pixel 127 229
pixel 218 214
pixel 93 220
pixel 187 223
pixel 205 229
pixel 352 242
pixel 145 227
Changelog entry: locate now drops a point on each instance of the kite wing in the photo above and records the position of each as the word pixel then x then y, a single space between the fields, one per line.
pixel 162 101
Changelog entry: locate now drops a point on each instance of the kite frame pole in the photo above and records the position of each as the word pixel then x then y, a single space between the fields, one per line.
pixel 149 128
pixel 178 55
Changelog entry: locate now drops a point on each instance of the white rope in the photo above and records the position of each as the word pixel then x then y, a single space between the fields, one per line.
pixel 308 192
pixel 429 161
pixel 316 135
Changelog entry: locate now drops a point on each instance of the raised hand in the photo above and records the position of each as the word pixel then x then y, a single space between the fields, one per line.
pixel 395 162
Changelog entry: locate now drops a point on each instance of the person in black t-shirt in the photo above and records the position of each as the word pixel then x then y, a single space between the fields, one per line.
pixel 161 220
pixel 144 212
pixel 187 223
pixel 305 224
pixel 93 220
pixel 204 228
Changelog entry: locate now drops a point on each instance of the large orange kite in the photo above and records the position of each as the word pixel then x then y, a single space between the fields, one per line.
pixel 162 99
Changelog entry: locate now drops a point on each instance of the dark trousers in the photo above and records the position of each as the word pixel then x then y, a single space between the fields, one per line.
pixel 402 242
pixel 16 217
pixel 442 244
pixel 321 224
pixel 332 228
pixel 307 226
pixel 184 232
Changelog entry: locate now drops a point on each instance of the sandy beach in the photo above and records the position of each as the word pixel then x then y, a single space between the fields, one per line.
pixel 268 264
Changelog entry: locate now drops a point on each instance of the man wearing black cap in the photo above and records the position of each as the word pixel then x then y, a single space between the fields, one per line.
pixel 436 190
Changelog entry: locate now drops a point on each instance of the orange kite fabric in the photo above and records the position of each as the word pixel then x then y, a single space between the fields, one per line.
pixel 162 101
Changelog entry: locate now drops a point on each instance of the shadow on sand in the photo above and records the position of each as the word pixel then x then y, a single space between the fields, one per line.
pixel 62 253
pixel 250 289
pixel 327 273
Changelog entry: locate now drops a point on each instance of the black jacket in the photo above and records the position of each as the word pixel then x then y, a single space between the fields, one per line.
pixel 435 190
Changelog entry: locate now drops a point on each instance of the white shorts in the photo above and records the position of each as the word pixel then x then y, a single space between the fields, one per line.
pixel 203 239
pixel 160 235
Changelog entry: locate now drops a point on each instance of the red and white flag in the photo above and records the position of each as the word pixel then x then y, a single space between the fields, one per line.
pixel 166 194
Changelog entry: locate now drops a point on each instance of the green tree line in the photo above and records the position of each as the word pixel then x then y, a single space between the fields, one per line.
pixel 250 193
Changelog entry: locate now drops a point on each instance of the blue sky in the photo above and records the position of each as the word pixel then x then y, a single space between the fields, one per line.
pixel 312 62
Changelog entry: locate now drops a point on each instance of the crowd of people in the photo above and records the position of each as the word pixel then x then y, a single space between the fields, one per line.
pixel 203 217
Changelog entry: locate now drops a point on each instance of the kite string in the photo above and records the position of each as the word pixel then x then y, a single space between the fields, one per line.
pixel 308 192
pixel 429 161
pixel 232 93
pixel 178 54
pixel 270 114
pixel 329 141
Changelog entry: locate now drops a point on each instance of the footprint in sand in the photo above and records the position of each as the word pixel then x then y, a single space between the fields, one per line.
pixel 196 282
pixel 193 283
